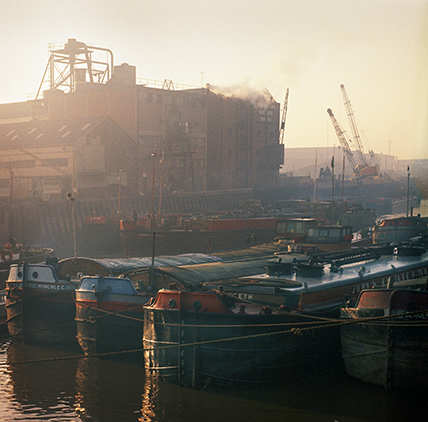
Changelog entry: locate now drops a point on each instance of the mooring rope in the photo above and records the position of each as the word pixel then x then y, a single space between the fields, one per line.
pixel 294 331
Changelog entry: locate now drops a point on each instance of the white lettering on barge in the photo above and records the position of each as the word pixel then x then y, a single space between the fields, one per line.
pixel 51 286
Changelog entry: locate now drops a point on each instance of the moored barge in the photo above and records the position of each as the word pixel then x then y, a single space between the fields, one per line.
pixel 201 337
pixel 109 314
pixel 386 341
pixel 40 299
pixel 240 330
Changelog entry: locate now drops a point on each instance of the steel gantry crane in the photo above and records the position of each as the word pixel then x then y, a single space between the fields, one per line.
pixel 365 167
pixel 345 145
pixel 353 124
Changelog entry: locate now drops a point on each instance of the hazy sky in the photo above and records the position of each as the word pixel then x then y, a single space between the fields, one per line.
pixel 377 48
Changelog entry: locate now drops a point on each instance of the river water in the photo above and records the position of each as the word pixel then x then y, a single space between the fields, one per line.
pixel 118 390
pixel 76 388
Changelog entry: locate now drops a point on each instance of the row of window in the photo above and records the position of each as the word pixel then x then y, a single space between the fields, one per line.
pixel 266 119
pixel 50 184
pixel 194 143
pixel 181 162
pixel 56 162
pixel 154 97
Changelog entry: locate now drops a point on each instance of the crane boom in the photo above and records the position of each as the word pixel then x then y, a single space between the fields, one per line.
pixel 284 115
pixel 343 142
pixel 353 124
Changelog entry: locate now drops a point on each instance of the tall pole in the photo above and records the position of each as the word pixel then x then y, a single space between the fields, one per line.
pixel 151 223
pixel 343 178
pixel 332 189
pixel 152 267
pixel 74 227
pixel 71 199
pixel 408 189
pixel 315 175
pixel 119 180
pixel 11 187
pixel 160 188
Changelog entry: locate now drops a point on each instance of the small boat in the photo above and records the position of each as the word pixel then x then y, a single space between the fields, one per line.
pixel 321 283
pixel 189 235
pixel 308 235
pixel 3 317
pixel 109 314
pixel 109 310
pixel 400 229
pixel 187 331
pixel 386 341
pixel 13 253
pixel 40 306
pixel 40 301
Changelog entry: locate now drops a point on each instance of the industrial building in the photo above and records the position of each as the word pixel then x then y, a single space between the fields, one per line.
pixel 183 139
pixel 46 159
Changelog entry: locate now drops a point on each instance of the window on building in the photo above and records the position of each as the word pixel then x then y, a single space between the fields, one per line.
pixel 200 163
pixel 57 162
pixel 281 227
pixel 22 163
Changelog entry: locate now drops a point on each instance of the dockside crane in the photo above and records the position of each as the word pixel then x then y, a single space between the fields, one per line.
pixel 284 116
pixel 353 124
pixel 343 141
pixel 366 169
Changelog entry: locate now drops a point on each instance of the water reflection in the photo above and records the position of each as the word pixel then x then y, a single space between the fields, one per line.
pixel 329 395
pixel 40 388
pixel 109 389
pixel 119 390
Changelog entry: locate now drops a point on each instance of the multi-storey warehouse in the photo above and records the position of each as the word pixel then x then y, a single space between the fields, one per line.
pixel 187 139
